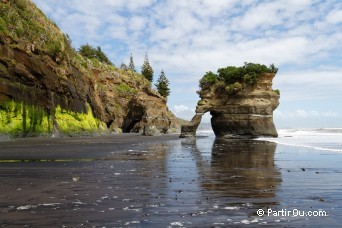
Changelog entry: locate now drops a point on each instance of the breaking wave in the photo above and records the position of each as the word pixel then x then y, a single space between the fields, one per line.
pixel 328 139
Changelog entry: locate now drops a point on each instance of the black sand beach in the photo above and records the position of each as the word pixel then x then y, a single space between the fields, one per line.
pixel 136 181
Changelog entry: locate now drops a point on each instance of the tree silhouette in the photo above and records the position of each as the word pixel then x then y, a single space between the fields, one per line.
pixel 94 53
pixel 163 85
pixel 131 64
pixel 146 69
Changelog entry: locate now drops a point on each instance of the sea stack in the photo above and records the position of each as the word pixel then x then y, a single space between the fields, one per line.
pixel 241 107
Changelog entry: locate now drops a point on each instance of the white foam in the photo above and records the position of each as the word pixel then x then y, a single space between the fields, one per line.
pixel 26 207
pixel 176 224
pixel 204 132
pixel 231 208
pixel 326 139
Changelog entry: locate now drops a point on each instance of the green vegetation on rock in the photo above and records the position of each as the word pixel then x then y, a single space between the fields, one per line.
pixel 208 80
pixel 234 78
pixel 125 90
pixel 23 21
pixel 94 53
pixel 277 91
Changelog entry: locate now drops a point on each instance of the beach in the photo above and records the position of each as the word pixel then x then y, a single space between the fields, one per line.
pixel 136 181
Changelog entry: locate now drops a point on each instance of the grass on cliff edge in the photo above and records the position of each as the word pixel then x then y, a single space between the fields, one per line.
pixel 18 119
pixel 24 22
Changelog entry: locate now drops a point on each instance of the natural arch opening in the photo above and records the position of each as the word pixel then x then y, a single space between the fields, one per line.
pixel 205 128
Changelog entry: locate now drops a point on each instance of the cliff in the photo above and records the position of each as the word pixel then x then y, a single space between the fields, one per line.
pixel 240 107
pixel 46 87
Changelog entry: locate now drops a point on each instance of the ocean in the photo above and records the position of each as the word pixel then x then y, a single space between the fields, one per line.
pixel 327 139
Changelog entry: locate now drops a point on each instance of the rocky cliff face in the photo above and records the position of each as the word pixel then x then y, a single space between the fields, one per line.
pixel 48 88
pixel 247 113
pixel 122 102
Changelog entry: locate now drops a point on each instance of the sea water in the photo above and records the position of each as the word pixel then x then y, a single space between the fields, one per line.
pixel 328 139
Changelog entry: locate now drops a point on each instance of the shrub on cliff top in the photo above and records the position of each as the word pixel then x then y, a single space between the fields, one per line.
pixel 208 80
pixel 231 75
pixel 94 53
pixel 248 73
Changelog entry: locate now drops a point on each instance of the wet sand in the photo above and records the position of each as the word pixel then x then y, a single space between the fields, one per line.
pixel 136 181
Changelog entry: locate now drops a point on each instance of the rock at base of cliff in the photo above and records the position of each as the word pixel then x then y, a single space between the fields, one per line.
pixel 188 131
pixel 153 131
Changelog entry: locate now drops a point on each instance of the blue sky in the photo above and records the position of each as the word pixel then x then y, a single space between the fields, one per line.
pixel 188 38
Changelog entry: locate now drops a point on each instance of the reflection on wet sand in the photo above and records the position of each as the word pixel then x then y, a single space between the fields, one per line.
pixel 199 182
pixel 238 168
pixel 154 182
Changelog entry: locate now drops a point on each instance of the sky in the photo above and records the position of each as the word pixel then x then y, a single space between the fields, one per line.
pixel 188 38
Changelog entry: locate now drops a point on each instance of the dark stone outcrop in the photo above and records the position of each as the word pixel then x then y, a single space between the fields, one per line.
pixel 248 113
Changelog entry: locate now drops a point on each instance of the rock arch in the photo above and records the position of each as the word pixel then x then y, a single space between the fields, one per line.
pixel 189 130
pixel 248 113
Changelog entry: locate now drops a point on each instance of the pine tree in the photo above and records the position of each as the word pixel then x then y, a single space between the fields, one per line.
pixel 131 64
pixel 102 56
pixel 163 85
pixel 146 69
pixel 94 53
pixel 87 51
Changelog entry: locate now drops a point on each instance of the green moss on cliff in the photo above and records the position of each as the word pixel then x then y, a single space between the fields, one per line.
pixel 71 123
pixel 18 119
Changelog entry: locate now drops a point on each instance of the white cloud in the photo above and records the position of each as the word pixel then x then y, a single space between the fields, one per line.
pixel 190 37
pixel 197 36
pixel 309 85
pixel 182 109
pixel 334 17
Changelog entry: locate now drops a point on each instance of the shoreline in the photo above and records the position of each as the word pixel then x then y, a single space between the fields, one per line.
pixel 8 137
pixel 75 147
